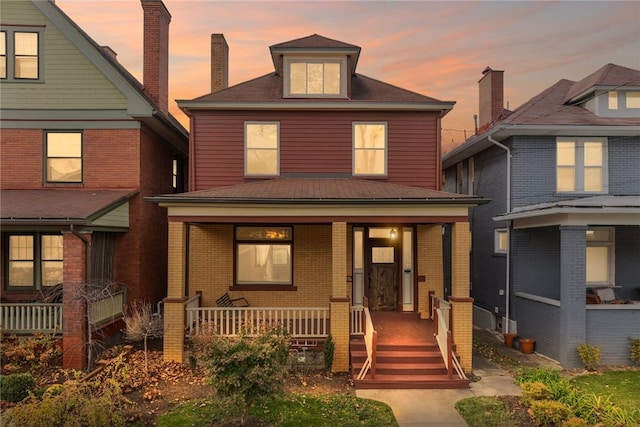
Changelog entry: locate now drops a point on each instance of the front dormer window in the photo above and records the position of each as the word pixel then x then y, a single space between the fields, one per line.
pixel 315 78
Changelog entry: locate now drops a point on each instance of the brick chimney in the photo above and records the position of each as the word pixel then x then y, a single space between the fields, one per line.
pixel 219 63
pixel 156 52
pixel 491 87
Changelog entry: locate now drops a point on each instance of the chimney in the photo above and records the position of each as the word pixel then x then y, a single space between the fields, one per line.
pixel 219 63
pixel 156 52
pixel 491 87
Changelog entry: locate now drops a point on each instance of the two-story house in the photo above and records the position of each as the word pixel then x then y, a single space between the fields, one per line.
pixel 82 144
pixel 562 229
pixel 314 186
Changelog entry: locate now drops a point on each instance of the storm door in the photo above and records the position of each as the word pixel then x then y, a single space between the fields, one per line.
pixel 383 269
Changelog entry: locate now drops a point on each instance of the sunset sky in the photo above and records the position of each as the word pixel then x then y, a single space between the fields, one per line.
pixel 438 49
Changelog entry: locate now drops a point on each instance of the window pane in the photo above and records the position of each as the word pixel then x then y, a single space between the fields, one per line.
pixel 262 136
pixel 382 255
pixel 380 232
pixel 26 68
pixel 566 153
pixel 3 55
pixel 262 162
pixel 52 247
pixel 264 263
pixel 298 77
pixel 21 247
pixel 613 100
pixel 593 179
pixel 64 170
pixel 315 78
pixel 26 43
pixel 358 254
pixel 51 273
pixel 597 264
pixel 263 233
pixel 332 78
pixel 369 162
pixel 633 99
pixel 21 264
pixel 593 154
pixel 61 144
pixel 26 55
pixel 566 179
pixel 370 136
pixel 21 273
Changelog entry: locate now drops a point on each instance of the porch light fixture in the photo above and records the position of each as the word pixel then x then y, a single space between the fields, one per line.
pixel 393 233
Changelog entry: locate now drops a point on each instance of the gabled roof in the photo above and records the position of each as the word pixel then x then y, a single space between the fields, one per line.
pixel 60 206
pixel 608 77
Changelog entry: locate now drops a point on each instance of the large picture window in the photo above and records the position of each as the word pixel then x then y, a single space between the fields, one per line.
pixel 64 156
pixel 264 255
pixel 34 261
pixel 581 165
pixel 262 145
pixel 21 53
pixel 314 78
pixel 369 148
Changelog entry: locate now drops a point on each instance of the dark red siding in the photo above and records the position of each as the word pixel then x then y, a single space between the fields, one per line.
pixel 314 142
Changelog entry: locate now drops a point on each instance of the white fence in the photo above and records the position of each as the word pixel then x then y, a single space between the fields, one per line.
pixel 31 317
pixel 107 309
pixel 298 322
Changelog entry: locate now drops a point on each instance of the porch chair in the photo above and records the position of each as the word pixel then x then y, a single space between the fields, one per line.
pixel 608 296
pixel 226 301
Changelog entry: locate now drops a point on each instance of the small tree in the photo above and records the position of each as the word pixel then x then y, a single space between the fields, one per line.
pixel 329 348
pixel 247 368
pixel 142 324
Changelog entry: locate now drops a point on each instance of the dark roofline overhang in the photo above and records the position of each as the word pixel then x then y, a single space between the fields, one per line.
pixel 177 200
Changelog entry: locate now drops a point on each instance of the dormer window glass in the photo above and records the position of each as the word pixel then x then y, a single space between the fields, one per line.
pixel 315 78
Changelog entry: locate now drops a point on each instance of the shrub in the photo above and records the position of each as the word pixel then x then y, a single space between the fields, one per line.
pixel 15 387
pixel 635 349
pixel 329 348
pixel 549 412
pixel 249 368
pixel 535 391
pixel 575 422
pixel 590 356
pixel 142 324
pixel 30 353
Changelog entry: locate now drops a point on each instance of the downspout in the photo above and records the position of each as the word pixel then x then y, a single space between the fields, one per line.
pixel 507 274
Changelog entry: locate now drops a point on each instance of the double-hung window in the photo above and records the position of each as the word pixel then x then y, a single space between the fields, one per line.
pixel 34 260
pixel 262 148
pixel 600 255
pixel 581 165
pixel 263 255
pixel 21 53
pixel 63 156
pixel 370 148
pixel 500 241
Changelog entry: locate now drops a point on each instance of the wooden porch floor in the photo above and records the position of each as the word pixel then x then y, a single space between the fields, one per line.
pixel 402 328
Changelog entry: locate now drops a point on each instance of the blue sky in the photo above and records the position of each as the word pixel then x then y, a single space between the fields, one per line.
pixel 435 48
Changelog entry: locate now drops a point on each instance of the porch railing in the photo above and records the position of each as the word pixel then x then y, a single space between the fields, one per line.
pixel 357 320
pixel 444 336
pixel 27 318
pixel 371 343
pixel 107 309
pixel 298 322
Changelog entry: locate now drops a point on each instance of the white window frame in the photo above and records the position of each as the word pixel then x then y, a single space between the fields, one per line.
pixel 579 166
pixel 610 245
pixel 342 61
pixel 498 248
pixel 247 149
pixel 356 150
pixel 10 53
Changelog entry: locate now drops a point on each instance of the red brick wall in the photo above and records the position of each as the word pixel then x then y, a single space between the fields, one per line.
pixel 156 52
pixel 74 309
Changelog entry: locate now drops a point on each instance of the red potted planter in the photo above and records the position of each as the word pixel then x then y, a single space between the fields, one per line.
pixel 527 345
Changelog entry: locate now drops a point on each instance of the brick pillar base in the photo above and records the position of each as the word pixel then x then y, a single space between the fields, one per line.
pixel 74 308
pixel 340 317
pixel 462 328
pixel 174 319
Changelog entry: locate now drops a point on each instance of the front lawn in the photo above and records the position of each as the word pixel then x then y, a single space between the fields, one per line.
pixel 623 386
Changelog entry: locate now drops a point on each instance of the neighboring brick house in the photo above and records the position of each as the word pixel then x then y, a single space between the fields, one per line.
pixel 316 186
pixel 562 172
pixel 83 143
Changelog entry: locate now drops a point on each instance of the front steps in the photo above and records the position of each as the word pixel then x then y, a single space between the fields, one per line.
pixel 403 366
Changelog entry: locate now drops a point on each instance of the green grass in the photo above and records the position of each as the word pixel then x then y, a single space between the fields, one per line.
pixel 484 411
pixel 287 411
pixel 622 386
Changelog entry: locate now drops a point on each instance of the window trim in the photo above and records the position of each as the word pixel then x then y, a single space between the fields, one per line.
pixel 610 244
pixel 579 167
pixel 342 61
pixel 385 173
pixel 497 248
pixel 246 149
pixel 46 156
pixel 10 55
pixel 37 260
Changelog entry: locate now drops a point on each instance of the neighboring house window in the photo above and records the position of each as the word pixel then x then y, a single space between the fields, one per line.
pixel 581 165
pixel 600 256
pixel 500 241
pixel 369 148
pixel 262 144
pixel 633 100
pixel 471 176
pixel 21 53
pixel 64 156
pixel 263 255
pixel 34 260
pixel 315 78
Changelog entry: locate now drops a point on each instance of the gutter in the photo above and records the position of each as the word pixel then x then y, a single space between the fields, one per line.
pixel 508 260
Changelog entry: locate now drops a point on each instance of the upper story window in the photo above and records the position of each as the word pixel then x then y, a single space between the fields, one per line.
pixel 35 261
pixel 624 100
pixel 63 156
pixel 315 78
pixel 262 146
pixel 370 148
pixel 581 165
pixel 21 54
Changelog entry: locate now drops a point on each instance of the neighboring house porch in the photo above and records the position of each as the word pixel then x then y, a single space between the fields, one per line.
pixel 325 245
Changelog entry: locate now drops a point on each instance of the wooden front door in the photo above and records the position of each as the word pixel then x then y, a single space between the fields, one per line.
pixel 383 277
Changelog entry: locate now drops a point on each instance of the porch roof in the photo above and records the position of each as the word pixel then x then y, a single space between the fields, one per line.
pixel 38 207
pixel 595 210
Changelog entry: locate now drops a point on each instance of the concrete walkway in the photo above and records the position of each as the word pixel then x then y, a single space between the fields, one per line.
pixel 414 408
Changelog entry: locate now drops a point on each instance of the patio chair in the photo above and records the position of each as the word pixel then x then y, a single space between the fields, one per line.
pixel 608 296
pixel 226 301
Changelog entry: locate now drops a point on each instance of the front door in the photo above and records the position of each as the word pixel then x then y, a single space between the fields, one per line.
pixel 383 274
